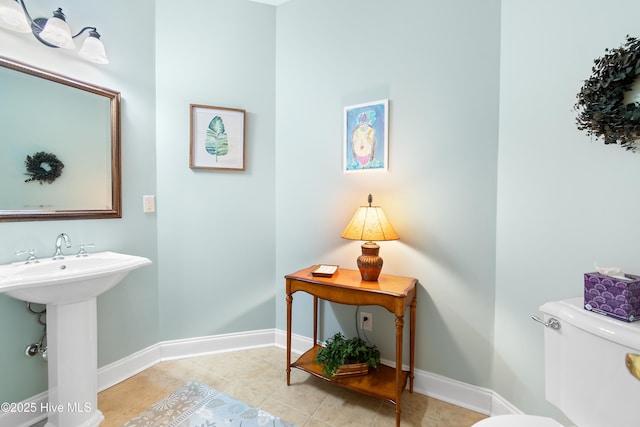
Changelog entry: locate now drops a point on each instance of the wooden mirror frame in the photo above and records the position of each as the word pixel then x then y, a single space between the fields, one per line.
pixel 116 193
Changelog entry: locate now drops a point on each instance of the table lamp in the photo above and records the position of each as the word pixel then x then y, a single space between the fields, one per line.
pixel 368 224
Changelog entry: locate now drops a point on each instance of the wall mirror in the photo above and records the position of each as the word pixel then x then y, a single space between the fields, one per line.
pixel 59 147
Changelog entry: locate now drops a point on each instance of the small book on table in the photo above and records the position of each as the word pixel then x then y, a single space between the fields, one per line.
pixel 324 270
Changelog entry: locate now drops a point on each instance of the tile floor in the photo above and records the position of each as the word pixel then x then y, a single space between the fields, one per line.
pixel 258 377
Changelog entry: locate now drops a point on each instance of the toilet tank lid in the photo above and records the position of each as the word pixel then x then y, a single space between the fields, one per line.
pixel 572 310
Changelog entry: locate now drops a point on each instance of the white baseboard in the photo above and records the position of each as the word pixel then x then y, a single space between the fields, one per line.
pixel 452 391
pixel 299 344
pixel 122 369
pixel 501 406
pixel 127 367
pixel 456 392
pixel 190 347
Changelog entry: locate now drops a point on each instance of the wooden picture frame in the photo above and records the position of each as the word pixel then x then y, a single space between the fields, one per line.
pixel 217 137
pixel 366 137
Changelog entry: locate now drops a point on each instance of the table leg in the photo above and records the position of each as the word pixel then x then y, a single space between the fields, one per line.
pixel 315 321
pixel 412 341
pixel 399 383
pixel 289 303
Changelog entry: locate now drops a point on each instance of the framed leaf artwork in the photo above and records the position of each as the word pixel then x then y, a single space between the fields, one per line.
pixel 217 138
pixel 366 137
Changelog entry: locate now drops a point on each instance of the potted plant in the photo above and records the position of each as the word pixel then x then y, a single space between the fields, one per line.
pixel 347 357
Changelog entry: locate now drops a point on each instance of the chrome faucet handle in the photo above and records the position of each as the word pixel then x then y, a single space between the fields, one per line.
pixel 83 251
pixel 32 256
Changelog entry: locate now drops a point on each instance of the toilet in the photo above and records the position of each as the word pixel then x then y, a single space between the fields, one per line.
pixel 585 372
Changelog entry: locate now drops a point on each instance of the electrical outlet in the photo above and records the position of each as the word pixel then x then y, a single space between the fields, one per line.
pixel 366 321
pixel 148 204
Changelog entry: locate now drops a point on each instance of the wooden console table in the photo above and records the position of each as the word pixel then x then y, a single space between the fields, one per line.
pixel 347 287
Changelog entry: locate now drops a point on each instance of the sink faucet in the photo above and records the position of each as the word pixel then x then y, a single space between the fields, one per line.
pixel 62 238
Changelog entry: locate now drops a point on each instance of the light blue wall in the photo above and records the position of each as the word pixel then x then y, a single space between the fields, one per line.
pixel 493 191
pixel 564 201
pixel 228 59
pixel 216 232
pixel 437 63
pixel 128 314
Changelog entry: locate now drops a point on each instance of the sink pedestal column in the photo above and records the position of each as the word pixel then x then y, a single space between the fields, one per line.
pixel 72 350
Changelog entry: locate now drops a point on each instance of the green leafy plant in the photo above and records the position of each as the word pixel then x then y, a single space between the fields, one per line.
pixel 340 351
pixel 602 111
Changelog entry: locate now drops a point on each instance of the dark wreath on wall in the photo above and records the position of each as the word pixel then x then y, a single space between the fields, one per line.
pixel 602 112
pixel 43 167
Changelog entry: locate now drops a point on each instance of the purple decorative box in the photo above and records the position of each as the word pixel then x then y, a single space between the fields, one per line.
pixel 613 297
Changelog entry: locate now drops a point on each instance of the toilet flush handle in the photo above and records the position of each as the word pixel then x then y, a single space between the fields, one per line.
pixel 553 323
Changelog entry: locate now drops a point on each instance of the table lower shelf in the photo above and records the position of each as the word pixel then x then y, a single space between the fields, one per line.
pixel 380 382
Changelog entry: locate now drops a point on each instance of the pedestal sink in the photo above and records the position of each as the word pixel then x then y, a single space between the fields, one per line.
pixel 69 288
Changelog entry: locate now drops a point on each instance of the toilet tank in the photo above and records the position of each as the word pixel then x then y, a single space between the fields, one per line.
pixel 585 372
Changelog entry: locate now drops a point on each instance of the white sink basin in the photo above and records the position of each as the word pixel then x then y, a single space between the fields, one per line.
pixel 69 280
pixel 69 288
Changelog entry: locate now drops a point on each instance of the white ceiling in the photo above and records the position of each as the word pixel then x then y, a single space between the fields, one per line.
pixel 271 2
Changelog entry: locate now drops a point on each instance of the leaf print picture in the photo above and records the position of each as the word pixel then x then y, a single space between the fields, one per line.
pixel 217 138
pixel 366 137
pixel 216 142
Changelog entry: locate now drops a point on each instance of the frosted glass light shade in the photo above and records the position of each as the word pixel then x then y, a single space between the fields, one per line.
pixel 12 17
pixel 370 224
pixel 93 50
pixel 57 32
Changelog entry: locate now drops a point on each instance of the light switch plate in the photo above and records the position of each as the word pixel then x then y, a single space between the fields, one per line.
pixel 148 203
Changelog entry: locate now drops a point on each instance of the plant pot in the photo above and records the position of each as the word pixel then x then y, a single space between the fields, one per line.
pixel 351 370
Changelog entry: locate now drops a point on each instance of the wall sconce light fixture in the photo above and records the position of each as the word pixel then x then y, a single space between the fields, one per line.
pixel 370 223
pixel 52 32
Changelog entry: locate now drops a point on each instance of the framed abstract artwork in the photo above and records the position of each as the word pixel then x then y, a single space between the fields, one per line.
pixel 366 137
pixel 217 138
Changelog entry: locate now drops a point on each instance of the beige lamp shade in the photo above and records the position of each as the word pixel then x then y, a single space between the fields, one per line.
pixel 370 224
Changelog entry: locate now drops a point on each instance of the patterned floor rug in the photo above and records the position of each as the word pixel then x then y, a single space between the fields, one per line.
pixel 198 405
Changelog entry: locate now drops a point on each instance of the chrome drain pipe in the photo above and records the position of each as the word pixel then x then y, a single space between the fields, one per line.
pixel 40 347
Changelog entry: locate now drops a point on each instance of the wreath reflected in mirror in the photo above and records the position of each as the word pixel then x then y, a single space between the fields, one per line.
pixel 43 167
pixel 603 111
